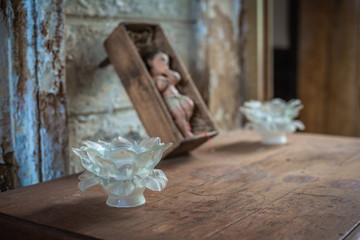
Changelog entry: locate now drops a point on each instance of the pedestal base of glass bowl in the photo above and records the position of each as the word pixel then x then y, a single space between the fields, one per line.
pixel 272 139
pixel 133 200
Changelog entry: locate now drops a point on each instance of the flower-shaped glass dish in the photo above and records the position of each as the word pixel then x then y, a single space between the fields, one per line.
pixel 273 119
pixel 124 168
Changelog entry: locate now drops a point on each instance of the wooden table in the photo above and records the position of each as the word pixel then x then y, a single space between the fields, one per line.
pixel 236 189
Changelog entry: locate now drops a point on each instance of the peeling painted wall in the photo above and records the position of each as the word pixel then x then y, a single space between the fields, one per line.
pixel 52 88
pixel 33 125
pixel 7 174
pixel 19 136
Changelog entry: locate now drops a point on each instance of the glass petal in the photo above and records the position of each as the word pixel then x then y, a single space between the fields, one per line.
pixel 120 142
pixel 159 152
pixel 124 172
pixel 81 153
pixel 86 175
pixel 103 143
pixel 145 160
pixel 100 166
pixel 148 144
pixel 120 157
pixel 156 181
pixel 97 146
pixel 299 125
pixel 86 183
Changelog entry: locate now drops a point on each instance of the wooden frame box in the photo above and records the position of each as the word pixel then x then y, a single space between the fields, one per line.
pixel 123 47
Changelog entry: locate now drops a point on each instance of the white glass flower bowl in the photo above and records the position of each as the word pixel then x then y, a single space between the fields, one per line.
pixel 124 168
pixel 273 119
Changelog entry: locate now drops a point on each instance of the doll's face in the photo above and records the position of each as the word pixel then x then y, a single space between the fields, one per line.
pixel 159 64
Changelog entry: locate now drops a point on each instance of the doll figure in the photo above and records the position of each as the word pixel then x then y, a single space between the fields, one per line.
pixel 181 107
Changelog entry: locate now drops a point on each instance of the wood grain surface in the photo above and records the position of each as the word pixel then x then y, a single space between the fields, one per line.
pixel 231 188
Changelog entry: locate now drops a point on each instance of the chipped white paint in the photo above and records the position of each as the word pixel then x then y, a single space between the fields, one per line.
pixel 213 80
pixel 22 86
pixel 235 18
pixel 219 115
pixel 51 77
pixel 221 34
pixel 201 32
pixel 50 167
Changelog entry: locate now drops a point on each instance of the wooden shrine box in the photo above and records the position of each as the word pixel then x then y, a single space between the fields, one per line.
pixel 123 47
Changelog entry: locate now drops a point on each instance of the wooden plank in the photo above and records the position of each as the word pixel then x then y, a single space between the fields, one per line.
pixel 324 209
pixel 312 65
pixel 328 75
pixel 189 144
pixel 254 81
pixel 268 49
pixel 208 191
pixel 342 84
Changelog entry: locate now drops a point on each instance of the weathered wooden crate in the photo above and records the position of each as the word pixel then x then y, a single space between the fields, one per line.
pixel 123 47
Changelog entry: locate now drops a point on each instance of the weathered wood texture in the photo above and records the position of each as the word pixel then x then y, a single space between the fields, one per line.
pixel 328 70
pixel 259 47
pixel 33 134
pixel 20 135
pixel 52 99
pixel 224 61
pixel 238 189
pixel 147 101
pixel 7 179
